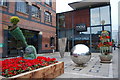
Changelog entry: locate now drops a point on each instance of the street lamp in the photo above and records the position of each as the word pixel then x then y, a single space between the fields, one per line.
pixel 103 22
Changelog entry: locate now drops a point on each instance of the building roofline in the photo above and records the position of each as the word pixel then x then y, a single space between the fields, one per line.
pixel 87 3
pixel 88 7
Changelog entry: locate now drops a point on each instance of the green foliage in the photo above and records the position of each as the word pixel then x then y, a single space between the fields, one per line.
pixel 105 44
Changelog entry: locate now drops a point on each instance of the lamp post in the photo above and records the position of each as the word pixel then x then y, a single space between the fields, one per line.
pixel 103 22
pixel 72 29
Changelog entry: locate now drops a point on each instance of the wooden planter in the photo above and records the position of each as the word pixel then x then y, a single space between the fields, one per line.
pixel 48 72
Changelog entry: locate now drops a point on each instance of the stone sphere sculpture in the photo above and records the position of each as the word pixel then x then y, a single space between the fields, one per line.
pixel 80 54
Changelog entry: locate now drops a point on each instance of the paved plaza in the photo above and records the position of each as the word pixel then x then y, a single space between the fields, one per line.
pixel 92 69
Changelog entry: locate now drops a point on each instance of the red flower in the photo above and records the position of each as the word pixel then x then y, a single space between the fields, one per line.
pixel 18 65
pixel 108 37
pixel 11 69
pixel 100 44
pixel 53 59
pixel 110 43
pixel 101 37
pixel 10 73
pixel 3 74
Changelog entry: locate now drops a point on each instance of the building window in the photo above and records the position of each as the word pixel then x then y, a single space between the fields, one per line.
pixel 3 3
pixel 22 6
pixel 52 41
pixel 48 2
pixel 61 20
pixel 35 11
pixel 100 14
pixel 48 17
pixel 95 17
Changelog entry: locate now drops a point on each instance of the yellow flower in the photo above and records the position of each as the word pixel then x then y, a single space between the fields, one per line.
pixel 14 20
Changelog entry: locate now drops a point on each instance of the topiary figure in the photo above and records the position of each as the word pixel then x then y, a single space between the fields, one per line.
pixel 18 35
pixel 105 44
pixel 30 52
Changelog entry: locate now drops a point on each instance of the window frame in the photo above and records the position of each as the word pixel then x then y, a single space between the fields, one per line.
pixel 3 3
pixel 62 20
pixel 52 41
pixel 47 15
pixel 20 8
pixel 48 2
pixel 38 13
pixel 100 15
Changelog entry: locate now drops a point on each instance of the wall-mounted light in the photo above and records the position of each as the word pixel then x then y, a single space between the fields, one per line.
pixel 40 33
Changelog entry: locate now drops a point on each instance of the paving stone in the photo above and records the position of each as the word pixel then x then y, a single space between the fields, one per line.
pixel 98 70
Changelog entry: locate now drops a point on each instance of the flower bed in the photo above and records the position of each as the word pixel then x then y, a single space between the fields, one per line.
pixel 15 66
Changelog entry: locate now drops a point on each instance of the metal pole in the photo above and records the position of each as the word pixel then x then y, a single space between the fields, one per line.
pixel 72 29
pixel 58 33
pixel 90 40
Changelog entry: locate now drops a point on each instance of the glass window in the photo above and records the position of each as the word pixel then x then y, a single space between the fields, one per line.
pixel 95 17
pixel 107 28
pixel 48 2
pixel 69 33
pixel 96 30
pixel 3 2
pixel 100 14
pixel 105 14
pixel 52 41
pixel 95 33
pixel 87 32
pixel 61 20
pixel 47 17
pixel 22 6
pixel 35 11
pixel 61 33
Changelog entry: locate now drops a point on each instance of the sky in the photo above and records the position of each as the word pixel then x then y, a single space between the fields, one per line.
pixel 62 6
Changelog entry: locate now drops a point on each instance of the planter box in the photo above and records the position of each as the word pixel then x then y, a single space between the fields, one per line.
pixel 105 58
pixel 51 72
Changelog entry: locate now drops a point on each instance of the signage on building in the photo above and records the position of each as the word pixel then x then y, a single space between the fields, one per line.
pixel 82 37
pixel 81 27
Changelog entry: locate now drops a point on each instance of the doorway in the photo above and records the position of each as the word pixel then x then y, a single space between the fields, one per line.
pixel 14 46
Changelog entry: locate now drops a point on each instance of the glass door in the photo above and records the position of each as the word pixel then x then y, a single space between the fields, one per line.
pixel 95 33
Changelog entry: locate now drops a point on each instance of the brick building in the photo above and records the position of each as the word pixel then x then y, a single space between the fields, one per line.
pixel 84 24
pixel 37 22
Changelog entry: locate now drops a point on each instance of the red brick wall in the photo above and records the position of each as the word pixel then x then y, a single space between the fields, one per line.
pixel 3 8
pixel 68 20
pixel 79 17
pixel 54 5
pixel 1 40
pixel 11 7
pixel 1 31
pixel 46 40
pixel 47 31
pixel 82 16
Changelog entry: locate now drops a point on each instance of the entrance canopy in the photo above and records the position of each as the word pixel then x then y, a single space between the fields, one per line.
pixel 87 3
